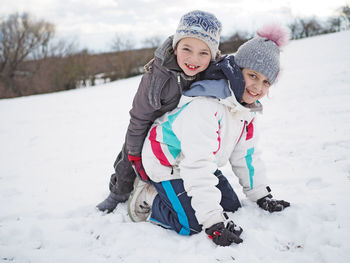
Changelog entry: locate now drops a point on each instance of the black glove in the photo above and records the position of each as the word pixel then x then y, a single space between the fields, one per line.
pixel 224 236
pixel 237 230
pixel 272 205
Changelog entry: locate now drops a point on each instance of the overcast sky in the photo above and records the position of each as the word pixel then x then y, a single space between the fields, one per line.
pixel 93 23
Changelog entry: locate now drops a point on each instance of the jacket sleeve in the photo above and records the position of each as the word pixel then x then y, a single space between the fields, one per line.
pixel 247 164
pixel 197 130
pixel 146 108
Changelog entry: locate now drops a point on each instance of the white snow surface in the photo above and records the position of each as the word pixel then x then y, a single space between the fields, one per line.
pixel 57 153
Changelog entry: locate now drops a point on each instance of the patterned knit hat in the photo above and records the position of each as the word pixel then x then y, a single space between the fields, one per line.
pixel 201 25
pixel 262 53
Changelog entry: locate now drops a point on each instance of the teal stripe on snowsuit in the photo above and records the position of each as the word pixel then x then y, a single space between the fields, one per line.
pixel 249 161
pixel 169 137
pixel 174 200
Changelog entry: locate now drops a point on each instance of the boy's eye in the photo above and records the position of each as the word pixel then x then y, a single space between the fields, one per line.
pixel 186 49
pixel 204 53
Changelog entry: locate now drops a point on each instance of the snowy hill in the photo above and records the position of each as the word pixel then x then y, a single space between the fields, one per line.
pixel 57 152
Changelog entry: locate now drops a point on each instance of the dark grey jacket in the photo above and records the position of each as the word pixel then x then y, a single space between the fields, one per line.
pixel 159 91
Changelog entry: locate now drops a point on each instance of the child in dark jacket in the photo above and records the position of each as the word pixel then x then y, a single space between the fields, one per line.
pixel 173 69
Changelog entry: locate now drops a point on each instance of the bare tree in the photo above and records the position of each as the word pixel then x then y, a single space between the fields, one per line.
pixel 305 27
pixel 152 42
pixel 233 42
pixel 21 38
pixel 61 48
pixel 295 29
pixel 345 15
pixel 310 27
pixel 333 24
pixel 122 43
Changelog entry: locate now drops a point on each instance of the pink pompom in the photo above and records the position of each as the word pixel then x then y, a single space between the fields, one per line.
pixel 275 33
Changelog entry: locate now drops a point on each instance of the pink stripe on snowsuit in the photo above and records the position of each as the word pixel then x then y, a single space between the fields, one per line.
pixel 156 147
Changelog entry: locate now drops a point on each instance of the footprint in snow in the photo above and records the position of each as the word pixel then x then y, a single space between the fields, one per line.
pixel 316 183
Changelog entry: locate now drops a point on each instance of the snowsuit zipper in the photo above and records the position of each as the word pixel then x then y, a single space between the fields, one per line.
pixel 245 125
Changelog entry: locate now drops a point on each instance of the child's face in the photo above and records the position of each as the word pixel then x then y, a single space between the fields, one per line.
pixel 256 85
pixel 193 55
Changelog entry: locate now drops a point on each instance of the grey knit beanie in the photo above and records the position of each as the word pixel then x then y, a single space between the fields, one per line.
pixel 201 25
pixel 262 53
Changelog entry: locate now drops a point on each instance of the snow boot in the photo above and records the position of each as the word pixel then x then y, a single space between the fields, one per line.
pixel 141 200
pixel 111 202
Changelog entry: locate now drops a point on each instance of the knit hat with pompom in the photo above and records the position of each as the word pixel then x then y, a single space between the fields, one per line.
pixel 262 53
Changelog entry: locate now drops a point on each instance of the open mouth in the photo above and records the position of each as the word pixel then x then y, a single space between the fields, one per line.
pixel 252 93
pixel 191 67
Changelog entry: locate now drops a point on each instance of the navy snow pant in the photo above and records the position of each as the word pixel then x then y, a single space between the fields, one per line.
pixel 172 206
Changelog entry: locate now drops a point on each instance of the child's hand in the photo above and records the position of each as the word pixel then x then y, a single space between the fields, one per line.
pixel 224 236
pixel 136 163
pixel 272 205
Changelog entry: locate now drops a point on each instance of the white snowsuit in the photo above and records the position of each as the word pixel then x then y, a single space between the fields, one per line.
pixel 200 135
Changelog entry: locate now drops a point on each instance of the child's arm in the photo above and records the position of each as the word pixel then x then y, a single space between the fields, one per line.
pixel 157 94
pixel 196 127
pixel 247 164
pixel 142 115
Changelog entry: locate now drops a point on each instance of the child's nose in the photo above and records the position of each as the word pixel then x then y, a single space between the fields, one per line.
pixel 196 59
pixel 259 86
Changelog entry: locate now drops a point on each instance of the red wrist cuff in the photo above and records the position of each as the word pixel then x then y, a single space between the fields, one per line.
pixel 134 158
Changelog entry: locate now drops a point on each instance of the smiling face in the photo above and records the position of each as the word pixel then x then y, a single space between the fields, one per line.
pixel 256 85
pixel 192 55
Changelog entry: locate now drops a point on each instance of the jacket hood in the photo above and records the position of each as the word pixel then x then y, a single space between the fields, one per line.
pixel 165 53
pixel 223 80
pixel 221 90
pixel 209 88
pixel 226 68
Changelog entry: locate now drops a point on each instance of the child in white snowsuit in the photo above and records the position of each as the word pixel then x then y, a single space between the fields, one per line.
pixel 214 123
pixel 176 65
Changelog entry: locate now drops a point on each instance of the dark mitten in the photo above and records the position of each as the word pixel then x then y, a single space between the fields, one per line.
pixel 111 202
pixel 136 163
pixel 223 236
pixel 237 230
pixel 272 205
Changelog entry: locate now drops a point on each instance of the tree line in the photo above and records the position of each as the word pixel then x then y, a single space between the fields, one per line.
pixel 33 61
pixel 307 27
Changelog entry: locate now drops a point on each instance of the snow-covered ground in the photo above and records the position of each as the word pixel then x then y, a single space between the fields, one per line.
pixel 57 152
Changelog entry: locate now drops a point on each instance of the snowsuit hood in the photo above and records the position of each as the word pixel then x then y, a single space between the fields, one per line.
pixel 224 81
pixel 226 68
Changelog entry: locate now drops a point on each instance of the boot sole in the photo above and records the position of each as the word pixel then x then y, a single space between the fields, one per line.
pixel 132 201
